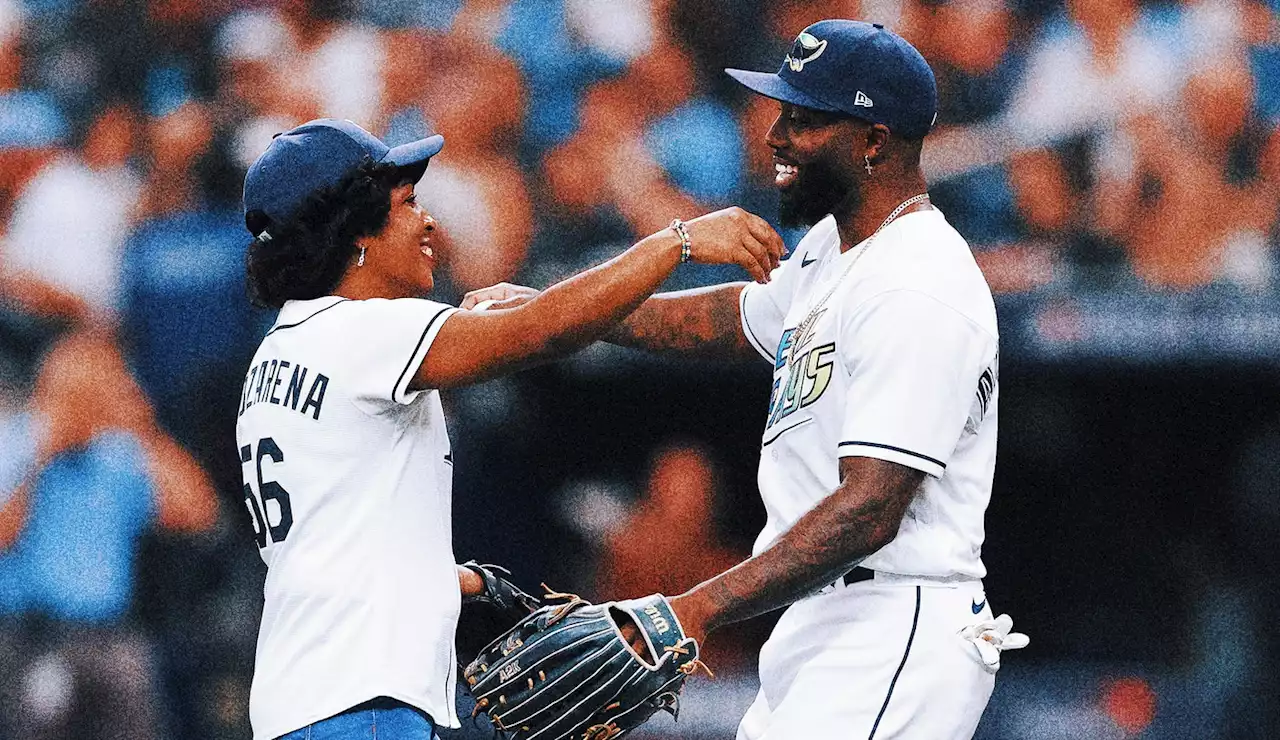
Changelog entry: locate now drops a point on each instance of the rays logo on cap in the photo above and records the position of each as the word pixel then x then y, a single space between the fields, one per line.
pixel 806 48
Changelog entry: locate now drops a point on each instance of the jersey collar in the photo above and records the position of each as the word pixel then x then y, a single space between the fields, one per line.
pixel 296 312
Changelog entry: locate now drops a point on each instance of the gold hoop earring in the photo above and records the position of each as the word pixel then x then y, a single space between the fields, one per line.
pixel 866 160
pixel 360 262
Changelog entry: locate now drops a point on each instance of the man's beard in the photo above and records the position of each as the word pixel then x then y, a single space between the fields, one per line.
pixel 815 193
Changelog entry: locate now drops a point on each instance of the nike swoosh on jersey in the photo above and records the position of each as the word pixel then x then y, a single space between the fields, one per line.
pixel 805 261
pixel 978 605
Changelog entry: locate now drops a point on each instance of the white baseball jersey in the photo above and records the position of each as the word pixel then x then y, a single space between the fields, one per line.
pixel 900 365
pixel 348 482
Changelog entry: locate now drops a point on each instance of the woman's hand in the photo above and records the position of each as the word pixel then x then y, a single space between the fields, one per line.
pixel 502 295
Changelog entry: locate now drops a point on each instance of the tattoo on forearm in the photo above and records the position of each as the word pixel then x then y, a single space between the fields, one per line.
pixel 822 546
pixel 703 322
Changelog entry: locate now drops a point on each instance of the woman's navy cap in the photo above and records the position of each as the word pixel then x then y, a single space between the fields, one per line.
pixel 318 154
pixel 859 69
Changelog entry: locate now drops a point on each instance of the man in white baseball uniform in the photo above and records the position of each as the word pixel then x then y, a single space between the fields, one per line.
pixel 879 443
pixel 347 462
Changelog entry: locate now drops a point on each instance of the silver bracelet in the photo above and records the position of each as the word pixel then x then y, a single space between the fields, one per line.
pixel 686 245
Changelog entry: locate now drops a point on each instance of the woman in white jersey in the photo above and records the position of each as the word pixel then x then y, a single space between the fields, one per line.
pixel 346 460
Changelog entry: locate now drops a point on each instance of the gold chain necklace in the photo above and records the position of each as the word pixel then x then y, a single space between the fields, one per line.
pixel 803 329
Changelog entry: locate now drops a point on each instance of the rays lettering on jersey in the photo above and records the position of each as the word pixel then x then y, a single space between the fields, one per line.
pixel 986 387
pixel 262 384
pixel 807 380
pixel 987 384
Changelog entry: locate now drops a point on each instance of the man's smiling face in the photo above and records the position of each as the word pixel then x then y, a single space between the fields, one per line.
pixel 813 162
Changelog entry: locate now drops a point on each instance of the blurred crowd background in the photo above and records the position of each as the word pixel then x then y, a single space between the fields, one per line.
pixel 1115 165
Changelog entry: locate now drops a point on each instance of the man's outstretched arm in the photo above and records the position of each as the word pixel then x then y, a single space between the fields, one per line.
pixel 702 322
pixel 860 517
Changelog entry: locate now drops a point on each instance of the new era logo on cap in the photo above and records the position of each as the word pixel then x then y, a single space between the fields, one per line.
pixel 862 99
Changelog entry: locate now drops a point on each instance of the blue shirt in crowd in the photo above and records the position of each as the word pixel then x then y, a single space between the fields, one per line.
pixel 74 558
pixel 184 306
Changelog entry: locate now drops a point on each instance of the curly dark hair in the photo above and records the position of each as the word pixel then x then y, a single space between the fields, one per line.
pixel 305 257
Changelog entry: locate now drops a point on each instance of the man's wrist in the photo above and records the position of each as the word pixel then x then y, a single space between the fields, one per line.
pixel 695 611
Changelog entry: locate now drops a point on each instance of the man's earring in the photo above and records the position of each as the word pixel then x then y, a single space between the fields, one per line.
pixel 360 262
pixel 867 164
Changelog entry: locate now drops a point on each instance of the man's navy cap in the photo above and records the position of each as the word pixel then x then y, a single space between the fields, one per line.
pixel 858 69
pixel 318 154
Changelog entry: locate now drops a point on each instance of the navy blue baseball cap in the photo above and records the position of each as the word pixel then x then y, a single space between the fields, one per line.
pixel 318 154
pixel 858 69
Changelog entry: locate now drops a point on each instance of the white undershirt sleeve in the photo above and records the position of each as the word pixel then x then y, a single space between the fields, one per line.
pixel 914 365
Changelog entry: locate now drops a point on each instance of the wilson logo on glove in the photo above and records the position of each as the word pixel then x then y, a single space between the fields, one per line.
pixel 574 675
pixel 658 622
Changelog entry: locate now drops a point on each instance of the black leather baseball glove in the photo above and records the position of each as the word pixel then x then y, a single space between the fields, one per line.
pixel 491 613
pixel 568 671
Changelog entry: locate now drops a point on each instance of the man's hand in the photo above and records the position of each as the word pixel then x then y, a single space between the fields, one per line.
pixel 734 236
pixel 686 610
pixel 502 295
